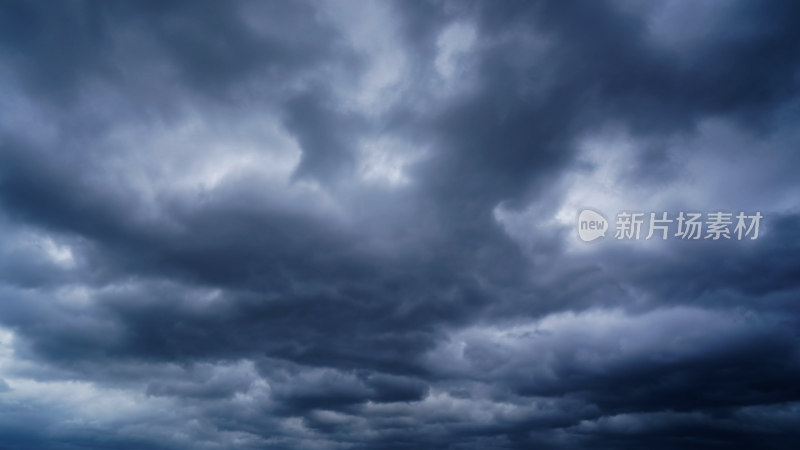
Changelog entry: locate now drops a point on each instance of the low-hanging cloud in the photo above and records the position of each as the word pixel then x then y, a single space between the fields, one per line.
pixel 351 225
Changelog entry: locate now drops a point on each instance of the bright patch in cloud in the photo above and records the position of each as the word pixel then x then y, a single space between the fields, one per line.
pixel 453 43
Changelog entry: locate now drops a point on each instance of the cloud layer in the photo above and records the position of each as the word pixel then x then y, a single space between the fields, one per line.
pixel 351 225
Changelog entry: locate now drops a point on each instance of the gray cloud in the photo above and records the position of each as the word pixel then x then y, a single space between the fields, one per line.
pixel 350 225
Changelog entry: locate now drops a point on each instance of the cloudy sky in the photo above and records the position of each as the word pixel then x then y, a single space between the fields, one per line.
pixel 352 224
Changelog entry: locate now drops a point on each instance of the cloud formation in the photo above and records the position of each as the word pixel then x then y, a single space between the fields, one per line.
pixel 351 225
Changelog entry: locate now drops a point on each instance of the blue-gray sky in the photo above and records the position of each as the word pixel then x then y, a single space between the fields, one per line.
pixel 351 224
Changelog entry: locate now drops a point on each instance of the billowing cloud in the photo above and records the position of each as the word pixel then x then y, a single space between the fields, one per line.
pixel 352 225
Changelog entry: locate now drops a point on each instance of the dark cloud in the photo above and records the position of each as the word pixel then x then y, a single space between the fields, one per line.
pixel 350 225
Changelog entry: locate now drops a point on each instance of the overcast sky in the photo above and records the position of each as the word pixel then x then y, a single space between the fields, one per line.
pixel 352 224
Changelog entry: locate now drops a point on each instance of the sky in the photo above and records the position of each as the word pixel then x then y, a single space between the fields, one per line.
pixel 353 224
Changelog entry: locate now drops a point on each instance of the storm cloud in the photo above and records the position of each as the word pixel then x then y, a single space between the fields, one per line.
pixel 352 224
